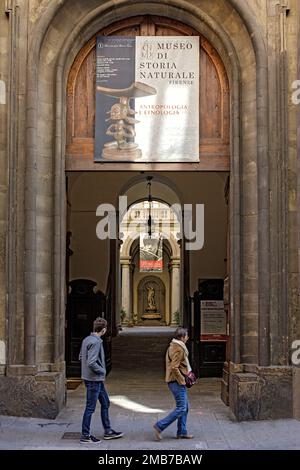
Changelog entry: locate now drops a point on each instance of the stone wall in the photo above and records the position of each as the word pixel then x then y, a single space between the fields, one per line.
pixel 4 103
pixel 262 393
pixel 35 396
pixel 257 42
pixel 296 316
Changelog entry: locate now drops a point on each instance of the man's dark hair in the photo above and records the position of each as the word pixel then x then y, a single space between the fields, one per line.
pixel 180 333
pixel 99 324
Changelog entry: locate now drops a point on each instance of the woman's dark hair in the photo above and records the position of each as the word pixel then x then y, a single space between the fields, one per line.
pixel 180 333
pixel 99 324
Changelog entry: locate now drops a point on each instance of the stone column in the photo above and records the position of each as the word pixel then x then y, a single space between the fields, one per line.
pixel 5 149
pixel 296 320
pixel 126 288
pixel 175 290
pixel 132 314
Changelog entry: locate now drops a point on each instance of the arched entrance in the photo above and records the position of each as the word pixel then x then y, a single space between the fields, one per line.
pixel 214 149
pixel 175 302
pixel 164 269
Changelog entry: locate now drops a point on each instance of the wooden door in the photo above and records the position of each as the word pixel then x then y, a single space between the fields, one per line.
pixel 214 102
pixel 84 305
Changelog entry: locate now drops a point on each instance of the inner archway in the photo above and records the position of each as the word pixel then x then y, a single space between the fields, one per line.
pixel 151 264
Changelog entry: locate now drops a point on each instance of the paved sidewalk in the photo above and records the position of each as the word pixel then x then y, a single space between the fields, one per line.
pixel 209 420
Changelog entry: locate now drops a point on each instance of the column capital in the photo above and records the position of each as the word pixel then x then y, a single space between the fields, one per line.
pixel 125 261
pixel 175 263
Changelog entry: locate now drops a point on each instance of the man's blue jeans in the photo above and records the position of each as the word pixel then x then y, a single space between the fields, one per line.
pixel 95 391
pixel 181 411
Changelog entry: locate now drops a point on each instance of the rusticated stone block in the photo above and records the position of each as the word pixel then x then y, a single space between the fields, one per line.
pixel 40 396
pixel 276 393
pixel 244 394
pixel 263 394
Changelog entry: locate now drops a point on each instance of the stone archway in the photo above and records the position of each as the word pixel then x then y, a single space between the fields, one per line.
pixel 241 45
pixel 234 51
pixel 132 277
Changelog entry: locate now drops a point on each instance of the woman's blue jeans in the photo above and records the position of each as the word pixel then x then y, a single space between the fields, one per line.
pixel 181 411
pixel 95 391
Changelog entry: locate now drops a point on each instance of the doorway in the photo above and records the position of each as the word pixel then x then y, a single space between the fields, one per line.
pixel 95 265
pixel 111 266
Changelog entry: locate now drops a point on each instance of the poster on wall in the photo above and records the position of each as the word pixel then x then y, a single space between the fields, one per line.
pixel 147 99
pixel 213 319
pixel 151 253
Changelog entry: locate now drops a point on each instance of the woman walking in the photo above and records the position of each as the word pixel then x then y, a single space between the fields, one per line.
pixel 177 366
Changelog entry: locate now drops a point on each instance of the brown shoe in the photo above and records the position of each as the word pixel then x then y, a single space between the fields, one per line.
pixel 157 433
pixel 185 436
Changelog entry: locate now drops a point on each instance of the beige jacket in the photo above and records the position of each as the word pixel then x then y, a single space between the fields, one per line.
pixel 176 364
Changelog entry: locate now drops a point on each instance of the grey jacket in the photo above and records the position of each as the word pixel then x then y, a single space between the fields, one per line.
pixel 92 359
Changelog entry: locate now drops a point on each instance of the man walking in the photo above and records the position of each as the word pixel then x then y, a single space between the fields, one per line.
pixel 93 372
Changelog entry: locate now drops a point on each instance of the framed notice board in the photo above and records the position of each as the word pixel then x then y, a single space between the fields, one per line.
pixel 213 327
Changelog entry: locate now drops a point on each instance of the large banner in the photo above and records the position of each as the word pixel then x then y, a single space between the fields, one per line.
pixel 151 253
pixel 147 99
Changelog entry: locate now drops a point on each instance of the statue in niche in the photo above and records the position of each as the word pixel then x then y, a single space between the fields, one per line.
pixel 151 298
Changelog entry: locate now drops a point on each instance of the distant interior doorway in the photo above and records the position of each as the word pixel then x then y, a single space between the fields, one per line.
pixel 150 258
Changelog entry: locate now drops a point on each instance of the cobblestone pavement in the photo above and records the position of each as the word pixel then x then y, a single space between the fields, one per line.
pixel 139 397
